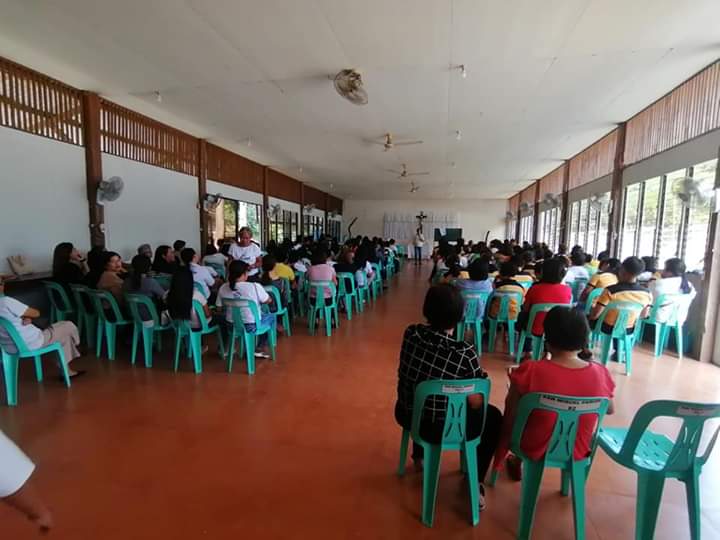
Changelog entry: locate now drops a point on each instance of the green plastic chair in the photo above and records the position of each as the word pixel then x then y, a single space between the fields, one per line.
pixel 302 290
pixel 348 293
pixel 281 312
pixel 655 457
pixel 625 341
pixel 319 308
pixel 86 318
pixel 10 361
pixel 663 329
pixel 247 339
pixel 591 298
pixel 183 330
pixel 536 342
pixel 525 284
pixel 559 455
pixel 145 328
pixel 503 316
pixel 377 282
pixel 103 300
pixel 389 267
pixel 61 309
pixel 471 317
pixel 287 290
pixel 219 269
pixel 199 288
pixel 578 286
pixel 454 438
pixel 163 280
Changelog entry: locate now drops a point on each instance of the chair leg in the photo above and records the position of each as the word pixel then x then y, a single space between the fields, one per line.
pixel 470 452
pixel 38 368
pixel 133 353
pixel 511 337
pixel 492 335
pixel 679 340
pixel 250 352
pixel 10 370
pixel 477 335
pixel 221 342
pixel 520 346
pixel 532 477
pixel 649 493
pixel 178 345
pixel 627 345
pixel 605 348
pixel 98 337
pixel 692 490
pixel 404 439
pixel 272 341
pixel 328 322
pixel 565 483
pixel 286 324
pixel 431 475
pixel 148 335
pixel 578 475
pixel 231 351
pixel 196 344
pixel 110 334
pixel 659 338
pixel 63 366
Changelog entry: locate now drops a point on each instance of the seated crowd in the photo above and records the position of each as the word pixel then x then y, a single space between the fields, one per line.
pixel 579 286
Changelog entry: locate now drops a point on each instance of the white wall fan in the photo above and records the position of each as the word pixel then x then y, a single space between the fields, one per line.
pixel 308 208
pixel 211 201
pixel 109 190
pixel 404 173
pixel 551 200
pixel 389 143
pixel 348 83
pixel 509 216
pixel 689 192
pixel 525 209
pixel 600 202
pixel 274 211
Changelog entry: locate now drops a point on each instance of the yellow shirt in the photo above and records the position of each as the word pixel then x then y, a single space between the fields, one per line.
pixel 283 271
pixel 602 280
pixel 624 292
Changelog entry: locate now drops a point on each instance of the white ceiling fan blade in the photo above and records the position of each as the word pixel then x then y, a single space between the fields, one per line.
pixel 418 174
pixel 407 143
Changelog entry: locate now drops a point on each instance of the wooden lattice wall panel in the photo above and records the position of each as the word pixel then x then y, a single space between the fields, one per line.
pixel 37 104
pixel 596 161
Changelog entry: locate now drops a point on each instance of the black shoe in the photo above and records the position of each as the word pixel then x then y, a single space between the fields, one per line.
pixel 78 373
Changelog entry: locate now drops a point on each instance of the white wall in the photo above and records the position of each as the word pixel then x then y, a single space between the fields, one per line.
pixel 157 206
pixel 475 216
pixel 232 192
pixel 43 198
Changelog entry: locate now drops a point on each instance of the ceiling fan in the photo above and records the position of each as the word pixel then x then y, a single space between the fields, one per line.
pixel 405 174
pixel 389 143
pixel 414 188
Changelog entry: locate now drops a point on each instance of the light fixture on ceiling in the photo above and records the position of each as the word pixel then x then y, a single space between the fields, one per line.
pixel 158 96
pixel 458 135
pixel 463 71
pixel 249 142
pixel 300 171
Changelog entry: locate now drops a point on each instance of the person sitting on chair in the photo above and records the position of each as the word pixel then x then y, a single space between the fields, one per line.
pixel 429 352
pixel 21 317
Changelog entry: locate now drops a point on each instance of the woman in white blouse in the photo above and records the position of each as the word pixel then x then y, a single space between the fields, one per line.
pixel 674 282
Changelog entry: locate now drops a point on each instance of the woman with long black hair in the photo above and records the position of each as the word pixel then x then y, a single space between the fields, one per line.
pixel 180 298
pixel 68 265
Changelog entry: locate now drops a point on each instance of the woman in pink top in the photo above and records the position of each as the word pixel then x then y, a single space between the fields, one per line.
pixel 560 372
pixel 320 270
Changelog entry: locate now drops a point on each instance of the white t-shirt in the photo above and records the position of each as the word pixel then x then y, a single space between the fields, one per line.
pixel 419 240
pixel 13 310
pixel 300 266
pixel 672 285
pixel 576 272
pixel 247 254
pixel 204 275
pixel 15 467
pixel 247 291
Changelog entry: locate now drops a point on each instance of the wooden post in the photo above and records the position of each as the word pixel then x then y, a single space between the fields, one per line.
pixel 565 210
pixel 302 209
pixel 616 194
pixel 536 213
pixel 266 205
pixel 93 165
pixel 707 340
pixel 202 191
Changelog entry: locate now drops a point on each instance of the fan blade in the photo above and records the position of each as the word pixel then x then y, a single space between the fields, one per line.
pixel 394 172
pixel 418 174
pixel 407 143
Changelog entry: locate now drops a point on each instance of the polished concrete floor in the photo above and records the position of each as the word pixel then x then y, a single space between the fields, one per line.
pixel 307 448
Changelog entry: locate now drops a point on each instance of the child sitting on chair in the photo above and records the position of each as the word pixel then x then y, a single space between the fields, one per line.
pixel 560 372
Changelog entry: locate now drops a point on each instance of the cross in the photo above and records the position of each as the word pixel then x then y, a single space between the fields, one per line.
pixel 421 217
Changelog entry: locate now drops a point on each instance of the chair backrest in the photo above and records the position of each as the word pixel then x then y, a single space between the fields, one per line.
pixel 668 302
pixel 473 301
pixel 273 291
pixel 200 288
pixel 346 283
pixel 15 337
pixel 684 453
pixel 82 297
pixel 525 283
pixel 58 297
pixel 287 290
pixel 101 299
pixel 503 313
pixel 236 306
pixel 540 308
pixel 219 268
pixel 163 280
pixel 200 312
pixel 135 301
pixel 319 288
pixel 578 286
pixel 624 310
pixel 456 392
pixel 591 297
pixel 568 410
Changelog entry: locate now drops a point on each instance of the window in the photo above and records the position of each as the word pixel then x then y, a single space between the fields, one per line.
pixel 511 228
pixel 333 227
pixel 231 215
pixel 284 225
pixel 668 216
pixel 573 237
pixel 312 225
pixel 526 229
pixel 589 223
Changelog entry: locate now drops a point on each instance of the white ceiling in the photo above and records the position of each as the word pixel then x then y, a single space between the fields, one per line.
pixel 545 79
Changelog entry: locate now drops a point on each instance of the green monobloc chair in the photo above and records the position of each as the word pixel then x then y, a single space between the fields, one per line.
pixel 625 342
pixel 655 457
pixel 348 293
pixel 503 316
pixel 319 308
pixel 193 337
pixel 10 360
pixel 536 342
pixel 61 309
pixel 246 338
pixel 454 438
pixel 86 318
pixel 671 303
pixel 559 454
pixel 281 312
pixel 146 325
pixel 109 319
pixel 473 316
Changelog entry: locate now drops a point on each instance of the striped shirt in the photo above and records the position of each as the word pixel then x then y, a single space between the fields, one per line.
pixel 624 292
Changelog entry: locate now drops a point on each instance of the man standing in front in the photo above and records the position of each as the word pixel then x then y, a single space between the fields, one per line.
pixel 247 251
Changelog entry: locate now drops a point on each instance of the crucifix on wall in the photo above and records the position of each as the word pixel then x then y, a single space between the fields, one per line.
pixel 421 217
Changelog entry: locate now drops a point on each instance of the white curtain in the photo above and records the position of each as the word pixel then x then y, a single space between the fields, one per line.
pixel 402 227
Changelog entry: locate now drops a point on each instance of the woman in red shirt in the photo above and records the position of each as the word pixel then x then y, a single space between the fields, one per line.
pixel 550 290
pixel 560 372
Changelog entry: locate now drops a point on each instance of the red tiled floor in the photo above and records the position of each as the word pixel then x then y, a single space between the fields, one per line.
pixel 307 448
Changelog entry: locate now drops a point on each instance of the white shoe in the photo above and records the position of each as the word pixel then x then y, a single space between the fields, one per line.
pixel 481 497
pixel 261 354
